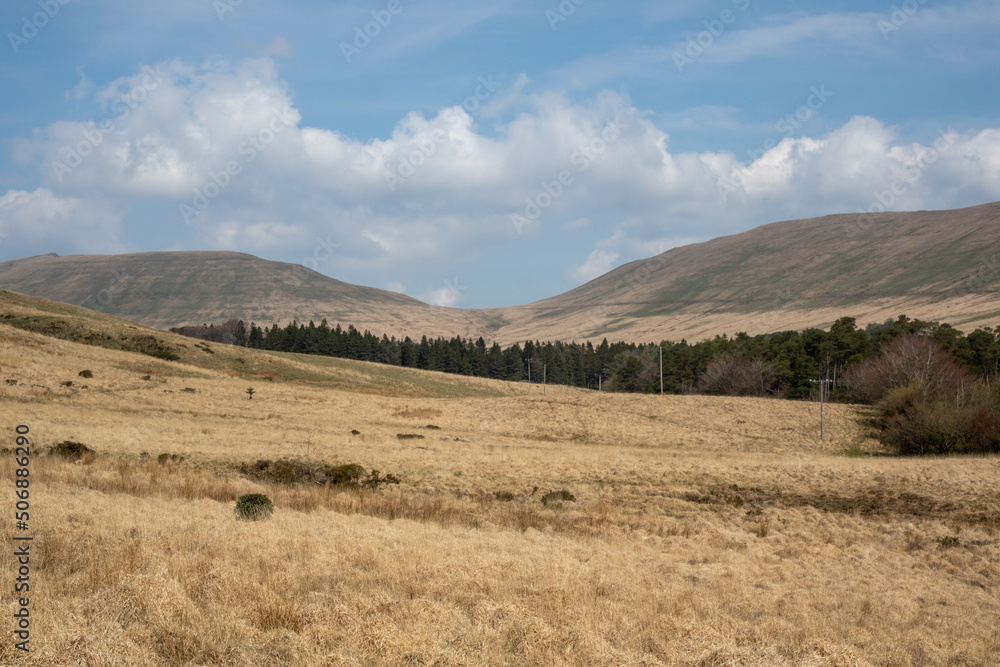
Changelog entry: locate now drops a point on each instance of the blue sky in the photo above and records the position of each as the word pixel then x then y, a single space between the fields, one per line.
pixel 481 154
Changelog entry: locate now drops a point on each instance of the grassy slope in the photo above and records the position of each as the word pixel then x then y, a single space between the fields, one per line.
pixel 196 358
pixel 705 530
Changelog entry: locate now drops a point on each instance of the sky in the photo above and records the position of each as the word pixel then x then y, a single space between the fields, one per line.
pixel 481 154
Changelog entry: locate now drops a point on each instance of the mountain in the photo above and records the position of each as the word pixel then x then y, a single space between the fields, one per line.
pixel 937 265
pixel 165 289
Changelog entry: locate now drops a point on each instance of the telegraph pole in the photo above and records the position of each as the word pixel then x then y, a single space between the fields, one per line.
pixel 822 385
pixel 661 370
pixel 544 369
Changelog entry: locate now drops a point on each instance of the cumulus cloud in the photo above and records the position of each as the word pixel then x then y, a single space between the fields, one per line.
pixel 449 296
pixel 221 148
pixel 598 263
pixel 43 219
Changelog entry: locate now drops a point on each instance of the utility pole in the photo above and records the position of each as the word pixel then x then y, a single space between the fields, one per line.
pixel 598 382
pixel 822 384
pixel 529 370
pixel 544 369
pixel 661 370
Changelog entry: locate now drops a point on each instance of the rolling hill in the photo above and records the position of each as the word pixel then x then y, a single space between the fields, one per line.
pixel 939 265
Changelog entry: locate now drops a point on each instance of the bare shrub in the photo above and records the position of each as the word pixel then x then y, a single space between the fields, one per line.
pixel 735 376
pixel 928 403
pixel 912 424
pixel 910 359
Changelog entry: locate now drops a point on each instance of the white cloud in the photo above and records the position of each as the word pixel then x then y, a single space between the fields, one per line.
pixel 41 217
pixel 81 89
pixel 448 296
pixel 598 263
pixel 436 190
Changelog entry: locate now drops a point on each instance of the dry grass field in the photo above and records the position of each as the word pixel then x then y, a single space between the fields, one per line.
pixel 704 531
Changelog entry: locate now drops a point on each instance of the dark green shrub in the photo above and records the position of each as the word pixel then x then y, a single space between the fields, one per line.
pixel 373 481
pixel 86 374
pixel 504 496
pixel 73 451
pixel 555 496
pixel 293 472
pixel 165 457
pixel 149 345
pixel 409 436
pixel 253 507
pixel 345 474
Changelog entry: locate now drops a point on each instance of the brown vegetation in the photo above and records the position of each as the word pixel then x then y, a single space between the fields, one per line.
pixel 734 376
pixel 704 530
pixel 927 403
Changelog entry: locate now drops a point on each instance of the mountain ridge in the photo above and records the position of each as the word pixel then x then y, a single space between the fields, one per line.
pixel 940 265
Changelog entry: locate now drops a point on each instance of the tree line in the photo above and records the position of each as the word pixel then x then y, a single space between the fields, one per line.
pixel 779 364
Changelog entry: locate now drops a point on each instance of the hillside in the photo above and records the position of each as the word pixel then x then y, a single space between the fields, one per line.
pixel 935 265
pixel 567 528
pixel 27 325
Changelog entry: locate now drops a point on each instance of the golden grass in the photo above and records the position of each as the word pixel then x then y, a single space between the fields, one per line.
pixel 706 531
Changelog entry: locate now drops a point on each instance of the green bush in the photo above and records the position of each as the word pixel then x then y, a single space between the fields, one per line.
pixel 253 507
